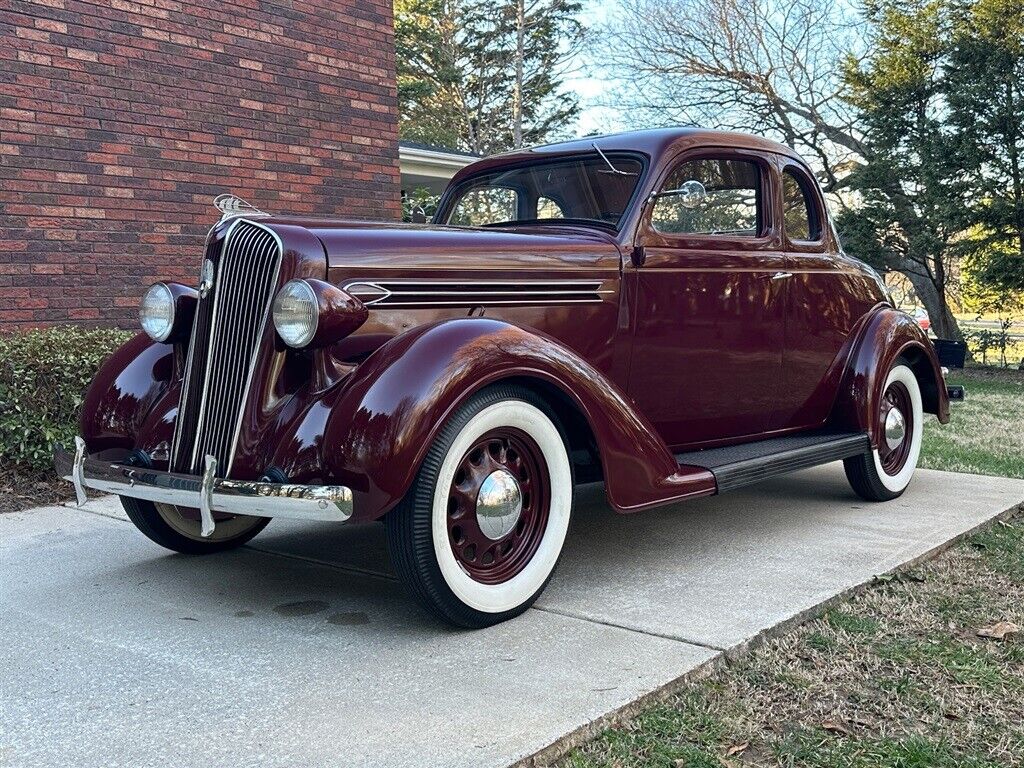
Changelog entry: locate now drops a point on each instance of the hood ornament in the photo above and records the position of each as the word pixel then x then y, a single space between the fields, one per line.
pixel 231 205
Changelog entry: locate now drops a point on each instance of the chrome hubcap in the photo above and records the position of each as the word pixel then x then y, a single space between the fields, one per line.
pixel 498 504
pixel 895 428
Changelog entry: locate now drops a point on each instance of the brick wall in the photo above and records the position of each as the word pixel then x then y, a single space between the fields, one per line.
pixel 120 121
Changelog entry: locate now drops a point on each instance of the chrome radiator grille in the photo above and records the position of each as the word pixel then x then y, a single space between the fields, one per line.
pixel 226 335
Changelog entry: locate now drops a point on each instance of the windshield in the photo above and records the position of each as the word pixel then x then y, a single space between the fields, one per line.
pixel 586 189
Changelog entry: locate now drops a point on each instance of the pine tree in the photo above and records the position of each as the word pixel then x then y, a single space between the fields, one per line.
pixel 485 76
pixel 911 208
pixel 984 83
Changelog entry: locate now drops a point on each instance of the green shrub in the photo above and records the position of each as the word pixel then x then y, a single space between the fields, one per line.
pixel 43 377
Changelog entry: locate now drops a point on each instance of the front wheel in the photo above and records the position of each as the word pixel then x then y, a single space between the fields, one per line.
pixel 478 536
pixel 177 528
pixel 886 471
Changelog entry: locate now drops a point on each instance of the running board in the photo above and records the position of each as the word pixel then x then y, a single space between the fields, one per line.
pixel 735 466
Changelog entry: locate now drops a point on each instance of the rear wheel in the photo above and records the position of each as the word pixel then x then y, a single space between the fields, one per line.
pixel 177 528
pixel 478 536
pixel 886 471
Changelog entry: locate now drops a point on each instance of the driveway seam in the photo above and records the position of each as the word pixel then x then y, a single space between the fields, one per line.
pixel 325 563
pixel 98 513
pixel 627 627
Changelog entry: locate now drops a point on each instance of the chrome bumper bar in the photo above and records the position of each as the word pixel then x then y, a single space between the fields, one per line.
pixel 207 493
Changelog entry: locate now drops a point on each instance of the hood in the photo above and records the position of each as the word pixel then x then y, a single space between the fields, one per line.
pixel 354 246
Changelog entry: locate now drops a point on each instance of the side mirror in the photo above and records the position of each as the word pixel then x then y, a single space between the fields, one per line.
pixel 691 194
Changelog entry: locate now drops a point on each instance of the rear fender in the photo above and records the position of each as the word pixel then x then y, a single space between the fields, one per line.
pixel 397 400
pixel 887 336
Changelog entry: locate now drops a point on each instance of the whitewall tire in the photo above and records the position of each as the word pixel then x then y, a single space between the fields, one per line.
pixel 887 470
pixel 479 535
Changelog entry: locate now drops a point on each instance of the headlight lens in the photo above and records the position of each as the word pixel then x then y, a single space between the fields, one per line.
pixel 156 313
pixel 296 313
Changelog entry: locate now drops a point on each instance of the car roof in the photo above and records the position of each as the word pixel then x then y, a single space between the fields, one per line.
pixel 654 143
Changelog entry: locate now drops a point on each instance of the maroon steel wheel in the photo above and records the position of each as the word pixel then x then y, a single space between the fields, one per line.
pixel 498 505
pixel 896 416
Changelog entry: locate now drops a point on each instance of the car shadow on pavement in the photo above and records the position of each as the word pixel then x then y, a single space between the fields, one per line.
pixel 339 578
pixel 271 591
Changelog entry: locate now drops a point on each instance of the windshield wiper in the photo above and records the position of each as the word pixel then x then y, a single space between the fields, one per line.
pixel 612 168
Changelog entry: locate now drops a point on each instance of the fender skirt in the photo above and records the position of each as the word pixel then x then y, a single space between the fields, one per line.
pixel 887 336
pixel 396 401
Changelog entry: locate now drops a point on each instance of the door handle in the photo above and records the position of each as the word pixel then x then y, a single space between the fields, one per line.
pixel 781 275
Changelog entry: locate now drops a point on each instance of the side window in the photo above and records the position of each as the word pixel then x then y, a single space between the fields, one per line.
pixel 711 197
pixel 798 211
pixel 548 209
pixel 486 205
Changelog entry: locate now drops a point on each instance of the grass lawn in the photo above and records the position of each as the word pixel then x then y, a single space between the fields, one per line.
pixel 985 434
pixel 895 677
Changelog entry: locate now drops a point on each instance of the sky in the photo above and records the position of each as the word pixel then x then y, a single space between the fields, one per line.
pixel 590 80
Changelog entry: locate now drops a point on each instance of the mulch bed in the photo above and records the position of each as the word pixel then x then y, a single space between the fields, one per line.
pixel 19 491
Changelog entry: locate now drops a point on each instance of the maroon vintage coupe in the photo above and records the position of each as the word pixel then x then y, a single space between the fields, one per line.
pixel 667 311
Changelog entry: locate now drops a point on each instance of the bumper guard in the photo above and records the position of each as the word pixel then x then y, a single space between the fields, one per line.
pixel 207 493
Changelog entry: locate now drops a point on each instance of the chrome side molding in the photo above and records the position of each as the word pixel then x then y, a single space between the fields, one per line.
pixel 469 293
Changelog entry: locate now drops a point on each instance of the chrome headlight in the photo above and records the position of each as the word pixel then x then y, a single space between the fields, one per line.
pixel 296 313
pixel 156 313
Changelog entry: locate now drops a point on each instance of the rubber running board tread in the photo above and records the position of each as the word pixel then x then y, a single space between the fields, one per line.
pixel 735 466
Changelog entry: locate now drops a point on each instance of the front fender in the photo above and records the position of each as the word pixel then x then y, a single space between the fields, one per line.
pixel 888 335
pixel 124 391
pixel 394 404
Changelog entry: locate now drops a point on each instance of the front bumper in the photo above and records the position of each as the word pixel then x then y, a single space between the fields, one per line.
pixel 207 493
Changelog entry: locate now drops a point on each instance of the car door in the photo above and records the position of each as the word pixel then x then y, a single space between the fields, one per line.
pixel 710 293
pixel 827 295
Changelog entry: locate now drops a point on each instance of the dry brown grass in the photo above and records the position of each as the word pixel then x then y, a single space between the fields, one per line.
pixel 894 676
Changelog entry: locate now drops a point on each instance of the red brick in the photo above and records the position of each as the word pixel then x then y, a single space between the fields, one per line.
pixel 32 34
pixel 12 317
pixel 31 303
pixel 77 53
pixel 115 137
pixel 51 25
pixel 34 58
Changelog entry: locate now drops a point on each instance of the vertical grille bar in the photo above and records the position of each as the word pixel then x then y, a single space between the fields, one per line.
pixel 226 339
pixel 191 388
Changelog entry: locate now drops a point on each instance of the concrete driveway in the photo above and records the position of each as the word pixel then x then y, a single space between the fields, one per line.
pixel 301 649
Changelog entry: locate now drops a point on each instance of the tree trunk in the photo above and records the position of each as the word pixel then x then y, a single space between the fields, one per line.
pixel 944 325
pixel 1015 169
pixel 517 93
